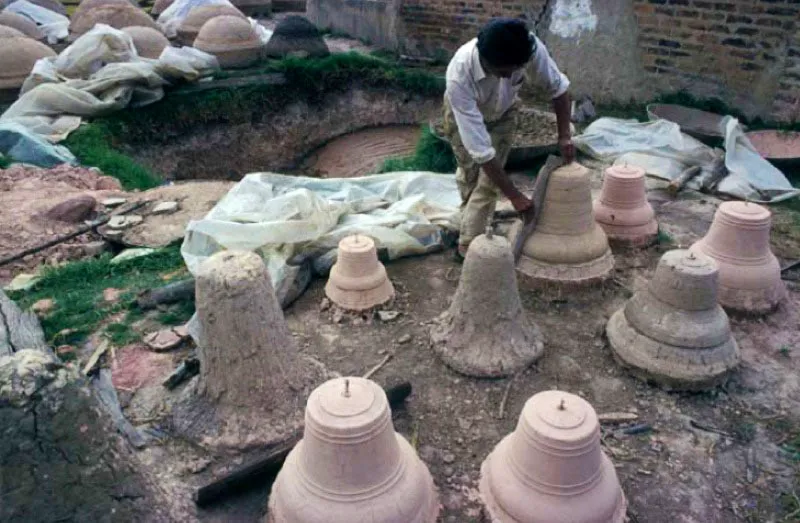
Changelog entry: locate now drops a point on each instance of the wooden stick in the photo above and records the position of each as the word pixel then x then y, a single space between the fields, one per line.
pixel 685 177
pixel 502 412
pixel 371 372
pixel 62 239
pixel 267 467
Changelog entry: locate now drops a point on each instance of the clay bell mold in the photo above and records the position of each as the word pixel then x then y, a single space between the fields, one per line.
pixel 623 210
pixel 21 24
pixel 149 42
pixel 232 40
pixel 551 469
pixel 568 246
pixel 351 463
pixel 674 332
pixel 197 18
pixel 358 280
pixel 485 333
pixel 18 54
pixel 8 32
pixel 749 273
pixel 117 16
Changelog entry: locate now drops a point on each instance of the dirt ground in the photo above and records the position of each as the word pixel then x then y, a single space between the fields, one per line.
pixel 733 469
pixel 26 194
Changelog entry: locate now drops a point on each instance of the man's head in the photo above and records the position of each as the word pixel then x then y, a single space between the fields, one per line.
pixel 505 45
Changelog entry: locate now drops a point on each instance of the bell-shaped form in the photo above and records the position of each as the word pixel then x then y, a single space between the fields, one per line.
pixel 749 274
pixel 21 24
pixel 568 246
pixel 674 332
pixel 88 5
pixel 18 54
pixel 197 18
pixel 295 35
pixel 117 15
pixel 486 333
pixel 8 32
pixel 623 210
pixel 551 469
pixel 351 465
pixel 149 42
pixel 358 280
pixel 232 40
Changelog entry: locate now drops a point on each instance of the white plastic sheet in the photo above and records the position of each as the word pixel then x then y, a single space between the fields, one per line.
pixel 291 219
pixel 664 151
pixel 54 26
pixel 97 74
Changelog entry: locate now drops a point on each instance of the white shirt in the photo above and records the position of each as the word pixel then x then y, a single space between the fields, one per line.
pixel 476 97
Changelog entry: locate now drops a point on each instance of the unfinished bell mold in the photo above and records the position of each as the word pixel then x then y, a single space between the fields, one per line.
pixel 197 18
pixel 623 210
pixel 551 469
pixel 358 280
pixel 8 32
pixel 568 245
pixel 18 54
pixel 486 333
pixel 351 465
pixel 749 273
pixel 117 16
pixel 21 24
pixel 674 332
pixel 149 43
pixel 232 40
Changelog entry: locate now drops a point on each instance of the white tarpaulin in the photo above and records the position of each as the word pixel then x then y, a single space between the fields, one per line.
pixel 99 73
pixel 664 151
pixel 290 220
pixel 54 26
pixel 176 13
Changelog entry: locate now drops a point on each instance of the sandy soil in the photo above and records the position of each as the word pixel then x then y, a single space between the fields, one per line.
pixel 336 159
pixel 26 193
pixel 732 471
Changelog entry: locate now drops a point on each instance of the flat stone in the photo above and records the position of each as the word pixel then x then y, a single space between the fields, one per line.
pixel 165 208
pixel 182 331
pixel 113 202
pixel 125 221
pixel 163 340
pixel 42 306
pixel 131 254
pixel 93 249
pixel 23 282
pixel 405 338
pixel 388 315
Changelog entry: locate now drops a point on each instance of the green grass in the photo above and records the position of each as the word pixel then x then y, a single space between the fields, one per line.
pixel 92 144
pixel 4 161
pixel 77 290
pixel 431 154
pixel 177 314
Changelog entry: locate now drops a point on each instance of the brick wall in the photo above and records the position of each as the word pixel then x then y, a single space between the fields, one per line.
pixel 429 26
pixel 746 52
pixel 736 49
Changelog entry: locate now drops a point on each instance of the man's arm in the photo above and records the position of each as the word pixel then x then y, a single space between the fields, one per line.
pixel 478 142
pixel 562 106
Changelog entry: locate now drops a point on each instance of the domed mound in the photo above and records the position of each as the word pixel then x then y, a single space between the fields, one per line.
pixel 18 54
pixel 9 32
pixel 53 5
pixel 295 35
pixel 21 24
pixel 115 15
pixel 149 42
pixel 88 5
pixel 190 27
pixel 231 39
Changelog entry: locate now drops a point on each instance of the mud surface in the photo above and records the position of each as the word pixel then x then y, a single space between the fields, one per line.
pixel 337 160
pixel 731 470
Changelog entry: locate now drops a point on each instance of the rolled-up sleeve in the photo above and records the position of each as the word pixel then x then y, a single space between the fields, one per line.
pixel 471 126
pixel 545 72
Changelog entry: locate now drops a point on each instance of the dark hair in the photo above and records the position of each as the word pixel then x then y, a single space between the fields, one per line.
pixel 506 42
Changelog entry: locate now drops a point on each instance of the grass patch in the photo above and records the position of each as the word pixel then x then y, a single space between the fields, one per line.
pixel 92 145
pixel 4 161
pixel 431 154
pixel 77 290
pixel 177 314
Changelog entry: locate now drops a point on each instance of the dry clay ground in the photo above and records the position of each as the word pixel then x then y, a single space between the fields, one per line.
pixel 732 470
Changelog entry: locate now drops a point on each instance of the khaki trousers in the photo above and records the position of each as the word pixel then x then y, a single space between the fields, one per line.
pixel 478 194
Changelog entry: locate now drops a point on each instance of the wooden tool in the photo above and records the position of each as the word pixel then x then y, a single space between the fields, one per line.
pixel 531 217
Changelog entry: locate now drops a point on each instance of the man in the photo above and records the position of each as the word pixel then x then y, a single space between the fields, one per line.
pixel 483 81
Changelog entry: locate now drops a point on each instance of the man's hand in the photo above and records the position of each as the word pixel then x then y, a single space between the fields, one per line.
pixel 522 204
pixel 567 149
